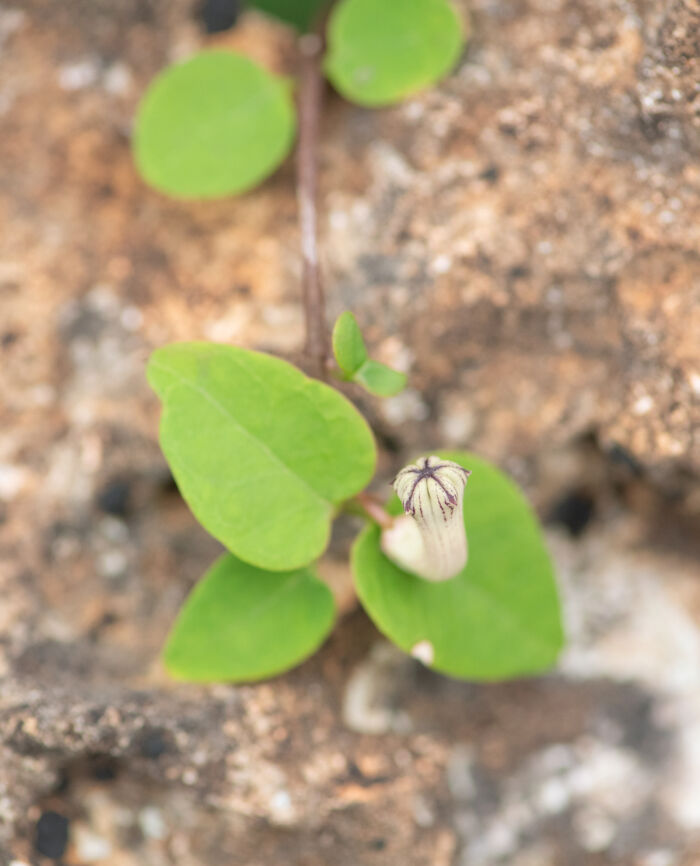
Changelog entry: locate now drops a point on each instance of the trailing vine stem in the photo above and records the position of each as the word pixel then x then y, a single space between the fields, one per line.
pixel 317 347
pixel 311 47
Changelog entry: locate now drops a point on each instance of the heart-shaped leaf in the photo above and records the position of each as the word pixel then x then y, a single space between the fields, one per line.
pixel 499 617
pixel 241 623
pixel 382 52
pixel 214 125
pixel 261 453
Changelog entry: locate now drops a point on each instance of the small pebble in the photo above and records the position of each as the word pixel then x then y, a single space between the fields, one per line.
pixel 113 563
pixel 12 480
pixel 643 405
pixel 114 496
pixel 90 846
pixel 218 15
pixel 152 823
pixel 281 807
pixel 424 652
pixel 51 836
pixel 594 829
pixel 441 264
pixel 79 75
pixel 574 511
pixel 131 318
pixel 153 744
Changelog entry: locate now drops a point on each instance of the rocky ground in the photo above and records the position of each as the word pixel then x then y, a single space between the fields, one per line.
pixel 524 242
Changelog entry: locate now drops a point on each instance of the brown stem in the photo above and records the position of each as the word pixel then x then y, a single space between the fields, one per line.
pixel 374 508
pixel 310 98
pixel 311 48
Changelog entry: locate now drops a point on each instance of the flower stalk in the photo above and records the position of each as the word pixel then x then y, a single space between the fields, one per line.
pixel 429 540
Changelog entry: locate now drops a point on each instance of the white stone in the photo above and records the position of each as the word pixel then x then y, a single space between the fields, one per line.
pixel 643 405
pixel 131 318
pixel 113 563
pixel 118 79
pixel 441 264
pixel 281 808
pixel 12 480
pixel 553 797
pixel 90 846
pixel 152 823
pixel 78 75
pixel 595 830
pixel 424 652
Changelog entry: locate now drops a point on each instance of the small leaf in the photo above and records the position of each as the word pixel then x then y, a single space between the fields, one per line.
pixel 351 354
pixel 379 379
pixel 348 345
pixel 241 623
pixel 301 14
pixel 381 52
pixel 500 616
pixel 261 453
pixel 214 125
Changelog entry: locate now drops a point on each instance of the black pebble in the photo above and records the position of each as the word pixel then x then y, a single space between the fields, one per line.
pixel 574 511
pixel 622 457
pixel 491 174
pixel 114 497
pixel 218 15
pixel 51 835
pixel 519 272
pixel 103 769
pixel 152 744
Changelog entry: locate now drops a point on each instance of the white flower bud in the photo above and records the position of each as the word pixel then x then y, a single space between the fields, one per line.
pixel 429 540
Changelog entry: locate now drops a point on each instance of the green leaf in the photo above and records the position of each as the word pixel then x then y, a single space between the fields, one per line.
pixel 241 623
pixel 299 13
pixel 379 379
pixel 381 52
pixel 500 616
pixel 214 125
pixel 348 345
pixel 351 354
pixel 261 453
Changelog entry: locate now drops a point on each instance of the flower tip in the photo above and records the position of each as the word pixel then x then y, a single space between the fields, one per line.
pixel 431 483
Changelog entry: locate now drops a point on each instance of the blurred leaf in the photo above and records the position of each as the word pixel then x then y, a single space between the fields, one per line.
pixel 261 453
pixel 382 52
pixel 379 379
pixel 241 623
pixel 500 616
pixel 301 14
pixel 214 125
pixel 348 345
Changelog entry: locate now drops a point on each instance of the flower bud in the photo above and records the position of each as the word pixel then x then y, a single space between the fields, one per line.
pixel 429 540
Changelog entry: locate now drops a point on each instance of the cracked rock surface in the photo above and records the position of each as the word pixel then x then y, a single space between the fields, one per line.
pixel 523 241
